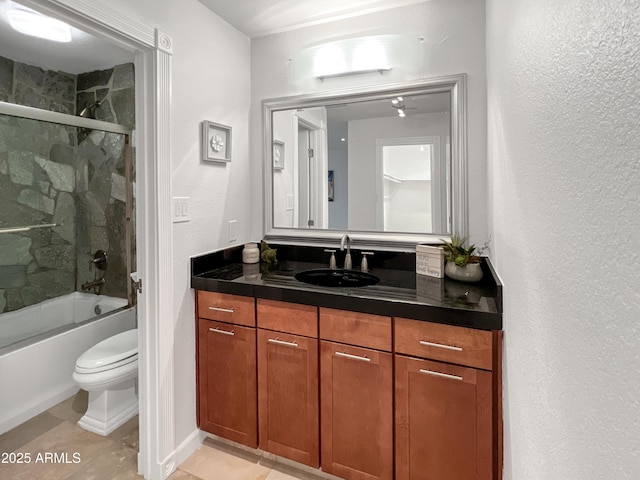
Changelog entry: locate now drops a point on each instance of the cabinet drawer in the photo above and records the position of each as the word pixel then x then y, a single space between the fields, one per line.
pixel 460 345
pixel 288 317
pixel 353 328
pixel 227 308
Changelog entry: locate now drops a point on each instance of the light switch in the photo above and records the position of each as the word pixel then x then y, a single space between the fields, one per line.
pixel 181 209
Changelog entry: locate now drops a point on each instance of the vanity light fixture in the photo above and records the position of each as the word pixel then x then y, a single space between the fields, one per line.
pixel 30 22
pixel 348 56
pixel 357 55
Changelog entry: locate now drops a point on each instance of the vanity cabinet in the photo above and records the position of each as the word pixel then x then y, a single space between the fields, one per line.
pixel 356 384
pixel 226 367
pixel 364 397
pixel 288 381
pixel 444 409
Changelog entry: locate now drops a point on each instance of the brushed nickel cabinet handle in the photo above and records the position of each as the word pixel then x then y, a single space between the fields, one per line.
pixel 353 357
pixel 282 342
pixel 438 374
pixel 224 332
pixel 220 309
pixel 440 345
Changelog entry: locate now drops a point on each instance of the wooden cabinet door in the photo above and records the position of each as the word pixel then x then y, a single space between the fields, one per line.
pixel 227 381
pixel 288 396
pixel 356 386
pixel 443 421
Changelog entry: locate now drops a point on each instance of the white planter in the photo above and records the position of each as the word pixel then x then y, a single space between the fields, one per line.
pixel 471 272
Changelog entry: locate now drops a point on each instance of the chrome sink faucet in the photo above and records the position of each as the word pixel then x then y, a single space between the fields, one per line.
pixel 347 258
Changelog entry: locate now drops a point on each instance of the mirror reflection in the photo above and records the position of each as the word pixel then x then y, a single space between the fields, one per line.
pixel 381 165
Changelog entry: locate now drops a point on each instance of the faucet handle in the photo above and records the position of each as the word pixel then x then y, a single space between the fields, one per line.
pixel 364 265
pixel 332 261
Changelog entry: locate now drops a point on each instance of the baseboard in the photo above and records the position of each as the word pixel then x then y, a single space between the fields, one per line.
pixel 187 447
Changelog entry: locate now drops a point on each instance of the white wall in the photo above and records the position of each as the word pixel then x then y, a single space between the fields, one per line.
pixel 284 181
pixel 564 170
pixel 210 82
pixel 454 33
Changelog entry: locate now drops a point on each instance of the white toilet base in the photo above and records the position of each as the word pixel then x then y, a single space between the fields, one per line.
pixel 110 409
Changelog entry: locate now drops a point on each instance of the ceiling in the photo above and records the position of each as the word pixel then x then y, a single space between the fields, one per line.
pixel 85 53
pixel 256 18
pixel 415 104
pixel 339 115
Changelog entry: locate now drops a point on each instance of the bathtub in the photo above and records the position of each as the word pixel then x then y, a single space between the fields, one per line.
pixel 39 346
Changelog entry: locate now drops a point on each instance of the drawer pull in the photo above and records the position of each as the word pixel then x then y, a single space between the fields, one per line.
pixel 282 342
pixel 439 345
pixel 438 374
pixel 353 357
pixel 220 309
pixel 224 332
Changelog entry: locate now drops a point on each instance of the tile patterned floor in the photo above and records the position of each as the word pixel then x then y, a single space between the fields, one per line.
pixel 115 457
pixel 55 432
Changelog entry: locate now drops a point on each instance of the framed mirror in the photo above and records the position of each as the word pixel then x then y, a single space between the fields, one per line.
pixel 385 164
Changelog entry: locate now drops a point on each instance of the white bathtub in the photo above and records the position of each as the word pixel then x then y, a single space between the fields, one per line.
pixel 42 344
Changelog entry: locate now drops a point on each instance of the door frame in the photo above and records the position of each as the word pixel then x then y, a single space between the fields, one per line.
pixel 438 187
pixel 318 203
pixel 152 50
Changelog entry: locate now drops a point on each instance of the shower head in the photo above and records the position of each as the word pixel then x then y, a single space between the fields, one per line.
pixel 90 110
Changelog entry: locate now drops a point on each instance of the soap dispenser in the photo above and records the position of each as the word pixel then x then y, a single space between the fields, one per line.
pixel 332 261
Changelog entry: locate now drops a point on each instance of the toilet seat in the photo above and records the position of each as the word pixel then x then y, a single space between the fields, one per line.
pixel 113 352
pixel 110 376
pixel 110 366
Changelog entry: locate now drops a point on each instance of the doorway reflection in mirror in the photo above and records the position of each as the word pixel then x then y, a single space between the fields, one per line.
pixel 393 168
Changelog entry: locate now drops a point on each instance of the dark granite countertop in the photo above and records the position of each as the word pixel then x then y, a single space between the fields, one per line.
pixel 400 292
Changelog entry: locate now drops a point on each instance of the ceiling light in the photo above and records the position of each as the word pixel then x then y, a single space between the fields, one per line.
pixel 32 23
pixel 343 139
pixel 400 106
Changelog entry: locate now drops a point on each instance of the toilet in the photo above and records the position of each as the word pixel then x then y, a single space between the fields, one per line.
pixel 108 371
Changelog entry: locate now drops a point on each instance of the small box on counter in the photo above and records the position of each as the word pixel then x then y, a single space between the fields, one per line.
pixel 430 288
pixel 430 261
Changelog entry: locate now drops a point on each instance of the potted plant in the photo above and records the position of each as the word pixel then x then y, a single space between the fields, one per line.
pixel 461 264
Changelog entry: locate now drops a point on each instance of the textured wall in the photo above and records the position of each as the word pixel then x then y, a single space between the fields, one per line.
pixel 64 175
pixel 564 170
pixel 101 195
pixel 454 42
pixel 37 182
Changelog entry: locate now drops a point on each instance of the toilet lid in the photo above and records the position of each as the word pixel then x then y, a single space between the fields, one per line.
pixel 112 350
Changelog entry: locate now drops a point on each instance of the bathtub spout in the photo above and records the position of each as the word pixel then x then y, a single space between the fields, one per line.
pixel 95 284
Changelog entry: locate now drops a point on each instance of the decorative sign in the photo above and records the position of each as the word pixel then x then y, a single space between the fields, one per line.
pixel 216 142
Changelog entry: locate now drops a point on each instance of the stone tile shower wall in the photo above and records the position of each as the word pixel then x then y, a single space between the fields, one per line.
pixel 65 175
pixel 101 195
